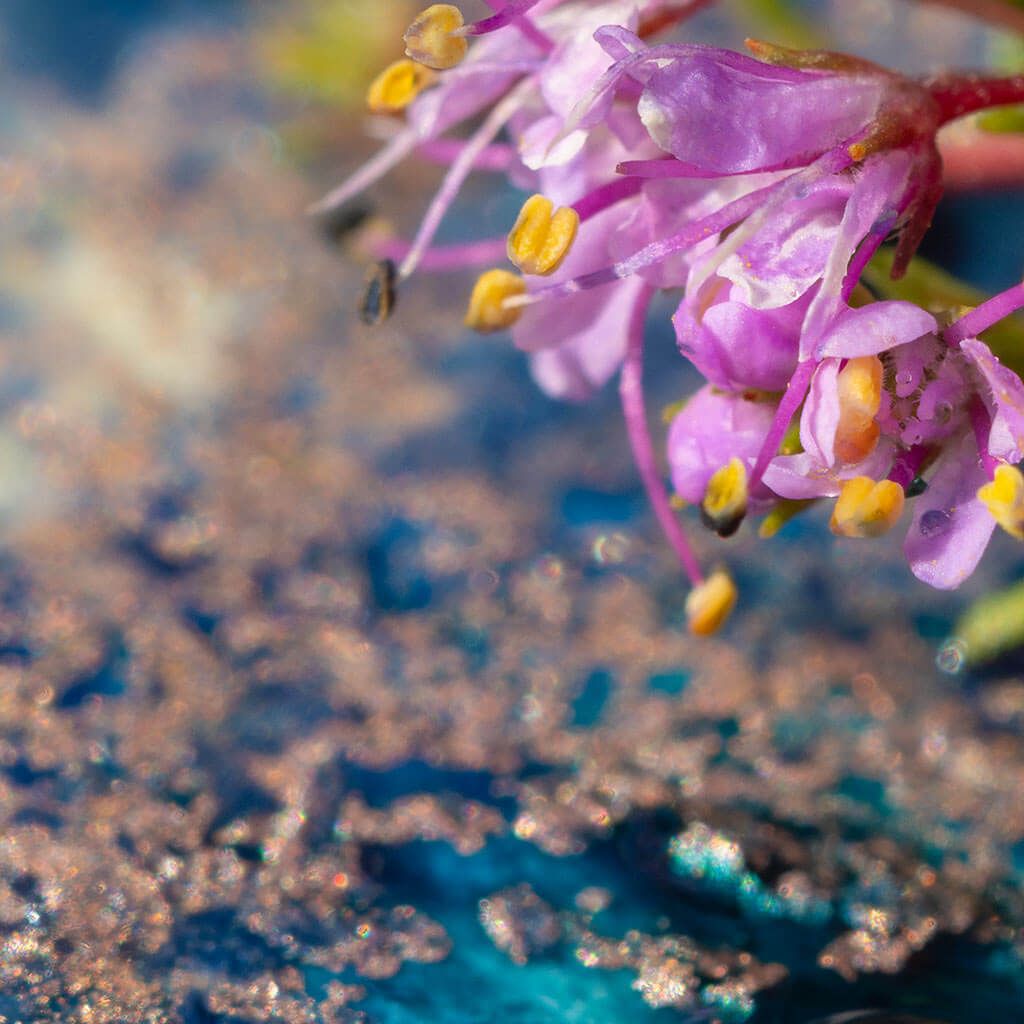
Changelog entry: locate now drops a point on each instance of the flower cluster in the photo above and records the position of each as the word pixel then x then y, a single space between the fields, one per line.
pixel 761 185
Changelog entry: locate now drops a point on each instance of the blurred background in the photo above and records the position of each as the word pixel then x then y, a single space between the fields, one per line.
pixel 344 676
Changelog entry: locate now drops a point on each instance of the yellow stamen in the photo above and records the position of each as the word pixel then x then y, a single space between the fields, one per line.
pixel 1004 498
pixel 429 38
pixel 487 311
pixel 540 238
pixel 725 499
pixel 867 508
pixel 860 393
pixel 709 603
pixel 397 86
pixel 857 151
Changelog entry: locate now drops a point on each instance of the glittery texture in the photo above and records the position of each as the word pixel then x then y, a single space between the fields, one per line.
pixel 302 658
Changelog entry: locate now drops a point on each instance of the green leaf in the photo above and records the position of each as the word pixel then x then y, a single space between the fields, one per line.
pixel 993 625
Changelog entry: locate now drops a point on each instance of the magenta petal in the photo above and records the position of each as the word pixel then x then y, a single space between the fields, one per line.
pixel 1004 400
pixel 879 184
pixel 579 60
pixel 874 328
pixel 951 526
pixel 820 418
pixel 730 114
pixel 737 347
pixel 712 428
pixel 789 254
pixel 587 338
pixel 801 476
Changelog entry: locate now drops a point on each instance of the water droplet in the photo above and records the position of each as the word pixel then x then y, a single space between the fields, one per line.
pixel 610 548
pixel 952 655
pixel 934 522
pixel 904 383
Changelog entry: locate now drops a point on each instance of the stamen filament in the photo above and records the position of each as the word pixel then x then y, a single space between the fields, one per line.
pixel 654 253
pixel 511 13
pixel 604 196
pixel 776 194
pixel 634 412
pixel 459 171
pixel 374 169
pixel 796 391
pixel 496 157
pixel 985 315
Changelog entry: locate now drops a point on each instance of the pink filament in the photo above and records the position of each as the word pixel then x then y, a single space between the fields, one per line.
pixel 795 392
pixel 987 314
pixel 631 394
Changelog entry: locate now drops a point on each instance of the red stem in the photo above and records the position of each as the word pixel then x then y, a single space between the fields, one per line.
pixel 957 95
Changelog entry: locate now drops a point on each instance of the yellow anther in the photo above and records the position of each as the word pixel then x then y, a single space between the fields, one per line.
pixel 1004 498
pixel 725 499
pixel 709 603
pixel 860 394
pixel 857 151
pixel 867 508
pixel 397 86
pixel 487 311
pixel 540 238
pixel 429 38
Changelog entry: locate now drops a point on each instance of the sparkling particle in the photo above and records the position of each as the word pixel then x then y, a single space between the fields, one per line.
pixel 951 656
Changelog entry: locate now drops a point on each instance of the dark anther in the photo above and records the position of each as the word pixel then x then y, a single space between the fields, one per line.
pixel 916 487
pixel 724 524
pixel 379 296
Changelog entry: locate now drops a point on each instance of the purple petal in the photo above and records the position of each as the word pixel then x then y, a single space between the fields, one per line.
pixel 803 476
pixel 712 428
pixel 789 254
pixel 728 113
pixel 880 183
pixel 820 418
pixel 735 346
pixel 1004 399
pixel 951 526
pixel 579 60
pixel 586 339
pixel 874 328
